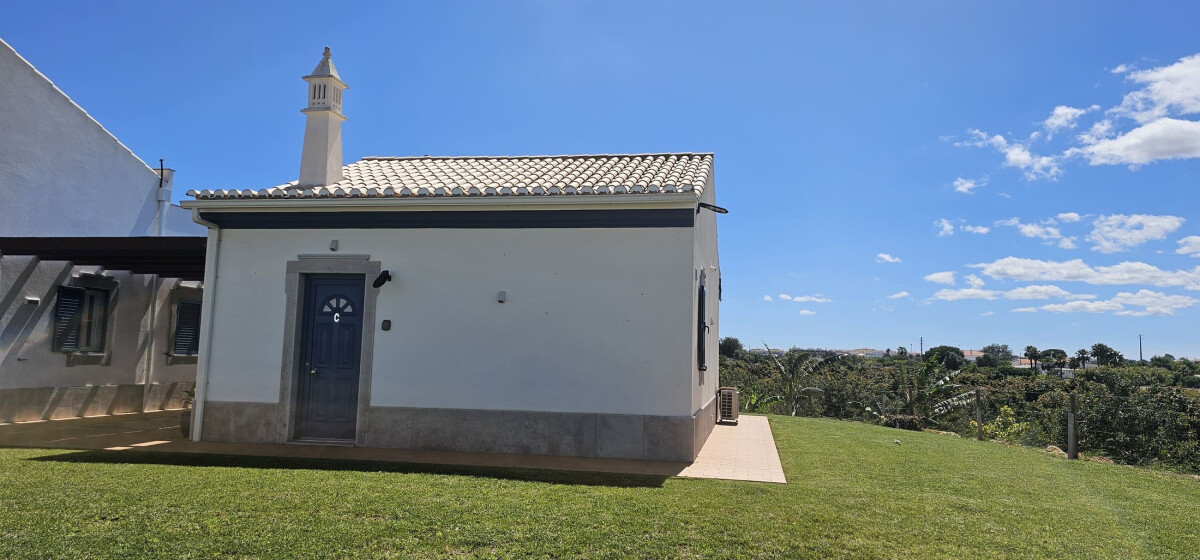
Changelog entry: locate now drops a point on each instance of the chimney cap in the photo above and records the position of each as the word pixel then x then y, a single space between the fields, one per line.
pixel 325 68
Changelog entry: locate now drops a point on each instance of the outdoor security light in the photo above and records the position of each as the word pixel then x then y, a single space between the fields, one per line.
pixel 382 279
pixel 712 207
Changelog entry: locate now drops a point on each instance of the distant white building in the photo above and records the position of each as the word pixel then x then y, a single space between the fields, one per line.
pixel 559 305
pixel 95 317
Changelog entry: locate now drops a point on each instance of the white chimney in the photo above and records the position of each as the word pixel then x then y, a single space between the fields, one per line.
pixel 321 160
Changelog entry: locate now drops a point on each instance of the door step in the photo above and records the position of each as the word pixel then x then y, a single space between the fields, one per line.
pixel 323 441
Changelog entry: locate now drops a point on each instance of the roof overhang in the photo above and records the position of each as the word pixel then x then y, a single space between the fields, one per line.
pixel 491 212
pixel 170 257
pixel 434 203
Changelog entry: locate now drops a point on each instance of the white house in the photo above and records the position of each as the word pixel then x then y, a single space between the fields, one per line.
pixel 560 305
pixel 96 312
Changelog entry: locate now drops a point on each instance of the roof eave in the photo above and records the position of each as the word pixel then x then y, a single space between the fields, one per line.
pixel 685 199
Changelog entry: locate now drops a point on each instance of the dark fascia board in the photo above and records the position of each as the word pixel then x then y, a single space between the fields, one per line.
pixel 454 219
pixel 171 257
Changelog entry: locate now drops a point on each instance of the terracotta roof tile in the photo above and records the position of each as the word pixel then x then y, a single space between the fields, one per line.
pixel 427 176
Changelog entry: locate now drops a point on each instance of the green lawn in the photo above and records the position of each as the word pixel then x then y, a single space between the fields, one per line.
pixel 852 493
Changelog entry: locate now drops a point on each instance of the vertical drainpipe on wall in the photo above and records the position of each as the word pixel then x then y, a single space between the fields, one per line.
pixel 206 320
pixel 162 197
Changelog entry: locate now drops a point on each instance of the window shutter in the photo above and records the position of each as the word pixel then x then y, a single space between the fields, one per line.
pixel 702 331
pixel 68 316
pixel 187 328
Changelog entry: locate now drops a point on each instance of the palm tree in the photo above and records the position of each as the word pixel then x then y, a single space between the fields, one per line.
pixel 794 367
pixel 1081 356
pixel 1031 352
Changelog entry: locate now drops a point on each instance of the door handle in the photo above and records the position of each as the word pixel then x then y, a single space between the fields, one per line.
pixel 312 371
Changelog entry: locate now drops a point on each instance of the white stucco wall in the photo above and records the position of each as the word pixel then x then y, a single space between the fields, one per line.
pixel 596 320
pixel 704 252
pixel 27 358
pixel 61 173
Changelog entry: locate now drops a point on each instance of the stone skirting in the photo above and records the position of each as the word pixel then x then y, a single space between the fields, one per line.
pixel 619 436
pixel 243 422
pixel 50 403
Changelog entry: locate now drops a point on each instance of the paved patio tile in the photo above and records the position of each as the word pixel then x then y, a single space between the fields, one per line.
pixel 743 452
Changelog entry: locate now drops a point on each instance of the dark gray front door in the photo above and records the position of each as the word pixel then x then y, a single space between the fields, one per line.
pixel 331 344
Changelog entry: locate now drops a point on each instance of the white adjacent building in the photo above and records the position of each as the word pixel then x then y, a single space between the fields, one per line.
pixel 95 314
pixel 560 305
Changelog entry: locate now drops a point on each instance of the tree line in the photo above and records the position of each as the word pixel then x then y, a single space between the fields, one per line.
pixel 1137 413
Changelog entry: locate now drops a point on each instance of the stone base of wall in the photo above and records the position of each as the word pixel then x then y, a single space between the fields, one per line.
pixel 619 436
pixel 244 422
pixel 705 420
pixel 47 403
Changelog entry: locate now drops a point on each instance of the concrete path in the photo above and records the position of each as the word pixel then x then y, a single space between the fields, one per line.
pixel 743 452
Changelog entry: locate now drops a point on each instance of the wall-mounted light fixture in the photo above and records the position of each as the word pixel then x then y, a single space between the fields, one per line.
pixel 501 296
pixel 32 301
pixel 382 279
pixel 712 207
pixel 333 245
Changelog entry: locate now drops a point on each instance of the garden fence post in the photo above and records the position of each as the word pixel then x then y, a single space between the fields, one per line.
pixel 979 412
pixel 1072 445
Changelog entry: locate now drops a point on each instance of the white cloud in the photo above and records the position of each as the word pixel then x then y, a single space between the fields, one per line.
pixel 987 313
pixel 1154 303
pixel 785 297
pixel 965 293
pixel 1064 117
pixel 1034 166
pixel 966 186
pixel 1044 291
pixel 1165 138
pixel 974 281
pixel 1083 307
pixel 1023 293
pixel 947 228
pixel 767 298
pixel 1189 245
pixel 941 277
pixel 981 230
pixel 1043 231
pixel 814 299
pixel 807 312
pixel 1075 270
pixel 1069 217
pixel 1099 131
pixel 1003 195
pixel 1118 232
pixel 1017 155
pixel 899 295
pixel 1151 303
pixel 1172 88
pixel 1159 108
pixel 1025 310
pixel 886 258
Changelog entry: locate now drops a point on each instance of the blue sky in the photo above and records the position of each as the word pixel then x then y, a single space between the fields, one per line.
pixel 843 131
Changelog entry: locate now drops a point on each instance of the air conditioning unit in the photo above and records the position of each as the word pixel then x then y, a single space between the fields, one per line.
pixel 727 405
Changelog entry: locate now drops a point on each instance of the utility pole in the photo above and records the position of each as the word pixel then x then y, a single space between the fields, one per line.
pixel 922 346
pixel 1072 444
pixel 979 412
pixel 1139 348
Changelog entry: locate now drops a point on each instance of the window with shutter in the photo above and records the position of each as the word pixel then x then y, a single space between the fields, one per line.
pixel 702 329
pixel 80 320
pixel 187 328
pixel 68 310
